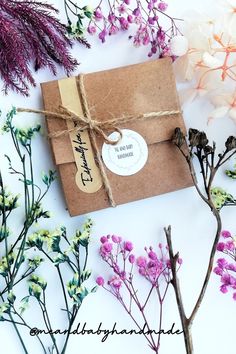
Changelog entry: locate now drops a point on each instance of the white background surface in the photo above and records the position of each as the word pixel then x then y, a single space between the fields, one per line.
pixel 141 222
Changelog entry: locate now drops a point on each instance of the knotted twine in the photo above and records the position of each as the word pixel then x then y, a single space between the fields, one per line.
pixel 94 127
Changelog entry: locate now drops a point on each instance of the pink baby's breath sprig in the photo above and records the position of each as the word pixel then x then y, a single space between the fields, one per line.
pixel 152 26
pixel 226 266
pixel 153 267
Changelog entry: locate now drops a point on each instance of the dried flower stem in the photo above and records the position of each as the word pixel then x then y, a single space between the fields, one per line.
pixel 198 146
pixel 226 267
pixel 155 268
pixel 153 26
pixel 31 34
pixel 175 282
pixel 17 264
pixel 11 262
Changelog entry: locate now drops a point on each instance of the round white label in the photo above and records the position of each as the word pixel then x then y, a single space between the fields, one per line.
pixel 128 156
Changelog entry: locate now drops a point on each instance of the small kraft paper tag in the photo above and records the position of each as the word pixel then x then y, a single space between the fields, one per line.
pixel 88 177
pixel 128 156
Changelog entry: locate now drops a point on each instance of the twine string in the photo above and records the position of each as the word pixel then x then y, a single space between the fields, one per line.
pixel 93 140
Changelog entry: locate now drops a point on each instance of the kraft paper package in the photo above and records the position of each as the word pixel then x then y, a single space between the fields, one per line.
pixel 145 164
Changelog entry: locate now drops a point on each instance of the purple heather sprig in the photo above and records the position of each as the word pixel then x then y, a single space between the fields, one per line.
pixel 29 33
pixel 154 267
pixel 147 17
pixel 225 267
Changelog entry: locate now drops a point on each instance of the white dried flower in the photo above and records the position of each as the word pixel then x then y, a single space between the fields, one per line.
pixel 179 45
pixel 211 61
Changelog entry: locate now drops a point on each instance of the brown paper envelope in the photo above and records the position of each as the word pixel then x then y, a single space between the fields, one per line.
pixel 131 90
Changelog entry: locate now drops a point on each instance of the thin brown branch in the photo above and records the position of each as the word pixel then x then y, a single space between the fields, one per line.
pixel 209 269
pixel 175 282
pixel 198 140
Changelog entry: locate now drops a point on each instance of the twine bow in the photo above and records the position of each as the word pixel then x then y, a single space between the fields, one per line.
pixel 80 123
pixel 94 127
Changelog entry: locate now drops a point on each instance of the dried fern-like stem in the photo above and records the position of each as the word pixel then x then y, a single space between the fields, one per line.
pixel 30 33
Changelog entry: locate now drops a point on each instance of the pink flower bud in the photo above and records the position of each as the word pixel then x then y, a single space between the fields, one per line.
pixel 107 247
pixel 142 271
pixel 230 246
pixel 91 29
pixel 220 247
pixel 168 264
pixel 150 5
pixel 124 23
pixel 152 255
pixel 130 18
pixel 103 239
pixel 218 271
pixel 98 14
pixel 154 50
pixel 161 36
pixel 225 234
pixel 137 12
pixel 116 239
pixel 102 35
pixel 224 289
pixel 162 6
pixel 115 282
pixel 146 39
pixel 100 281
pixel 122 9
pixel 111 17
pixel 128 246
pixel 132 258
pixel 141 261
pixel 231 266
pixel 180 261
pixel 222 263
pixel 151 21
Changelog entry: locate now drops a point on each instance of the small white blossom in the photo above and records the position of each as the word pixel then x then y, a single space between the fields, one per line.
pixel 225 105
pixel 211 61
pixel 179 45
